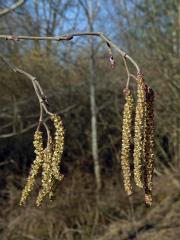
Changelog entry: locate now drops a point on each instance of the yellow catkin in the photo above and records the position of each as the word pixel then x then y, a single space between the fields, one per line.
pixel 139 131
pixel 51 193
pixel 149 147
pixel 47 177
pixel 38 145
pixel 58 147
pixel 144 127
pixel 126 141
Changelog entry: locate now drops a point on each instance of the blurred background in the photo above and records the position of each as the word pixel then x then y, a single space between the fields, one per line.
pixel 80 84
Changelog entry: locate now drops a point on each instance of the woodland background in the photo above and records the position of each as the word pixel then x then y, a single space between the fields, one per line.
pixel 150 32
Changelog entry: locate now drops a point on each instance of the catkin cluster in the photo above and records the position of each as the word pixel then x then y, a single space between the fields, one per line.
pixel 143 154
pixel 49 159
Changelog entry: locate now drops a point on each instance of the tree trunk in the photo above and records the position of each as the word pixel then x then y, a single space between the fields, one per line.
pixel 94 141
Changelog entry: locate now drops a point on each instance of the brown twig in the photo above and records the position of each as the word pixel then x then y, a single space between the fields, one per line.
pixel 128 72
pixel 38 90
pixel 70 36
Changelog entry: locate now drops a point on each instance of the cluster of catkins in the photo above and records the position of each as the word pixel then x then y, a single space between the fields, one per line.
pixel 48 159
pixel 143 154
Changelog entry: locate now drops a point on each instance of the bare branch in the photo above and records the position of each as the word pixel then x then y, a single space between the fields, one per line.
pixel 12 8
pixel 70 37
pixel 38 90
pixel 127 70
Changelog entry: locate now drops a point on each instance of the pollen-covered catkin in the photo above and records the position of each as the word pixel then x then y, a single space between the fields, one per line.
pixel 58 148
pixel 149 147
pixel 126 141
pixel 38 145
pixel 47 177
pixel 139 131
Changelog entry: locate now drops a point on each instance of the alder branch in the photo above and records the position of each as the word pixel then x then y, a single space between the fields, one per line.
pixel 12 8
pixel 43 103
pixel 37 87
pixel 70 36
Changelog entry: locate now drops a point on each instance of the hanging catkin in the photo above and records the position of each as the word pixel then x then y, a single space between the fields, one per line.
pixel 126 141
pixel 58 147
pixel 139 131
pixel 38 145
pixel 49 159
pixel 47 177
pixel 149 146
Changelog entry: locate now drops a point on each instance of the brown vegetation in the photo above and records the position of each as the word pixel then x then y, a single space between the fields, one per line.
pixel 149 31
pixel 74 215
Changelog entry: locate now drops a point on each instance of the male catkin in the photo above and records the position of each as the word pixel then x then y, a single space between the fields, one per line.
pixel 126 141
pixel 149 146
pixel 47 177
pixel 38 145
pixel 139 131
pixel 58 147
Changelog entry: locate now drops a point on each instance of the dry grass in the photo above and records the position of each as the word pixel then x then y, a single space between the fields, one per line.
pixel 74 213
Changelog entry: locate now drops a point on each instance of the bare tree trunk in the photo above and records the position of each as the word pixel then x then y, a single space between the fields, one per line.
pixel 93 103
pixel 94 140
pixel 37 45
pixel 92 66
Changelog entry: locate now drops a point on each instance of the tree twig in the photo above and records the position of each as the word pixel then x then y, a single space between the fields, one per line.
pixel 70 36
pixel 11 8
